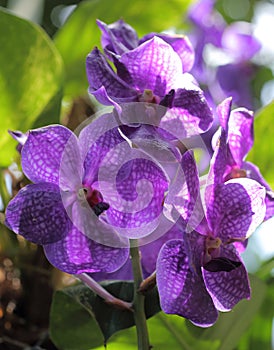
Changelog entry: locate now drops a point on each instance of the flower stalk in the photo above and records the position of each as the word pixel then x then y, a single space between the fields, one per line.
pixel 139 299
pixel 103 293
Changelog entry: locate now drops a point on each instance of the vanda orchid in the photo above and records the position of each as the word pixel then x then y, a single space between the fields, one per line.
pixel 120 201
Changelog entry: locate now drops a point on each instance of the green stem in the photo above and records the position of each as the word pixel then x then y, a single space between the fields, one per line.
pixel 3 189
pixel 139 299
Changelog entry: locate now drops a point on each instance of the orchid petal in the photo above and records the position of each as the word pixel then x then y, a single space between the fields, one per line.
pixel 181 289
pixel 100 74
pixel 180 44
pixel 76 253
pixel 240 134
pixel 228 288
pixel 37 213
pixel 153 65
pixel 238 208
pixel 43 151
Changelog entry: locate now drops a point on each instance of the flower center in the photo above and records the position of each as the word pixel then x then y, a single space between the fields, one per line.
pixel 148 96
pixel 236 173
pixel 94 199
pixel 212 248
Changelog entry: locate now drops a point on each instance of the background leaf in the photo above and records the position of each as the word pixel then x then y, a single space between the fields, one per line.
pixel 262 154
pixel 80 33
pixel 90 319
pixel 31 73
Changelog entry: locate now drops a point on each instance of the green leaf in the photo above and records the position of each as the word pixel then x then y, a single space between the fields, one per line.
pixel 72 326
pixel 31 74
pixel 259 334
pixel 262 154
pixel 174 332
pixel 80 33
pixel 97 320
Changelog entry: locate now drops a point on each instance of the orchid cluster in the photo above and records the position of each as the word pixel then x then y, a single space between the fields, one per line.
pixel 128 177
pixel 234 46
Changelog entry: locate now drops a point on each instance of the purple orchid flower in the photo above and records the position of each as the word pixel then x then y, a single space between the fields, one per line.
pixel 119 37
pixel 149 71
pixel 82 227
pixel 237 126
pixel 202 273
pixel 235 42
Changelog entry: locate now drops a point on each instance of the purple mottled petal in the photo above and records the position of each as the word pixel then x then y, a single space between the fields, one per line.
pixel 150 251
pixel 238 40
pixel 100 74
pixel 180 44
pixel 253 172
pixel 190 114
pixel 135 194
pixel 76 253
pixel 88 223
pixel 228 288
pixel 269 202
pixel 237 210
pixel 218 167
pixel 42 153
pixel 223 111
pixel 37 213
pixel 240 134
pixel 153 65
pixel 184 193
pixel 97 140
pixel 124 273
pixel 181 289
pixel 117 37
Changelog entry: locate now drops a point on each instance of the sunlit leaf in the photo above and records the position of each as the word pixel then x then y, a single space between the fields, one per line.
pixel 80 33
pixel 262 154
pixel 31 73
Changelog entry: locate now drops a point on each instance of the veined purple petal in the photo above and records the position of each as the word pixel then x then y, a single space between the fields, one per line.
pixel 97 140
pixel 42 153
pixel 99 73
pixel 136 199
pixel 181 289
pixel 117 37
pixel 180 44
pixel 37 213
pixel 150 251
pixel 124 273
pixel 184 193
pixel 240 134
pixel 218 167
pixel 253 172
pixel 227 288
pixel 190 114
pixel 237 210
pixel 76 253
pixel 223 111
pixel 153 65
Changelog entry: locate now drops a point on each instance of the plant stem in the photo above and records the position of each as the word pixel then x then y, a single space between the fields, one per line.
pixel 139 299
pixel 103 293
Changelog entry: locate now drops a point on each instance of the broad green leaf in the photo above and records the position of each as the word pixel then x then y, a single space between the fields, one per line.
pixel 80 33
pixel 31 73
pixel 72 326
pixel 89 309
pixel 174 332
pixel 262 153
